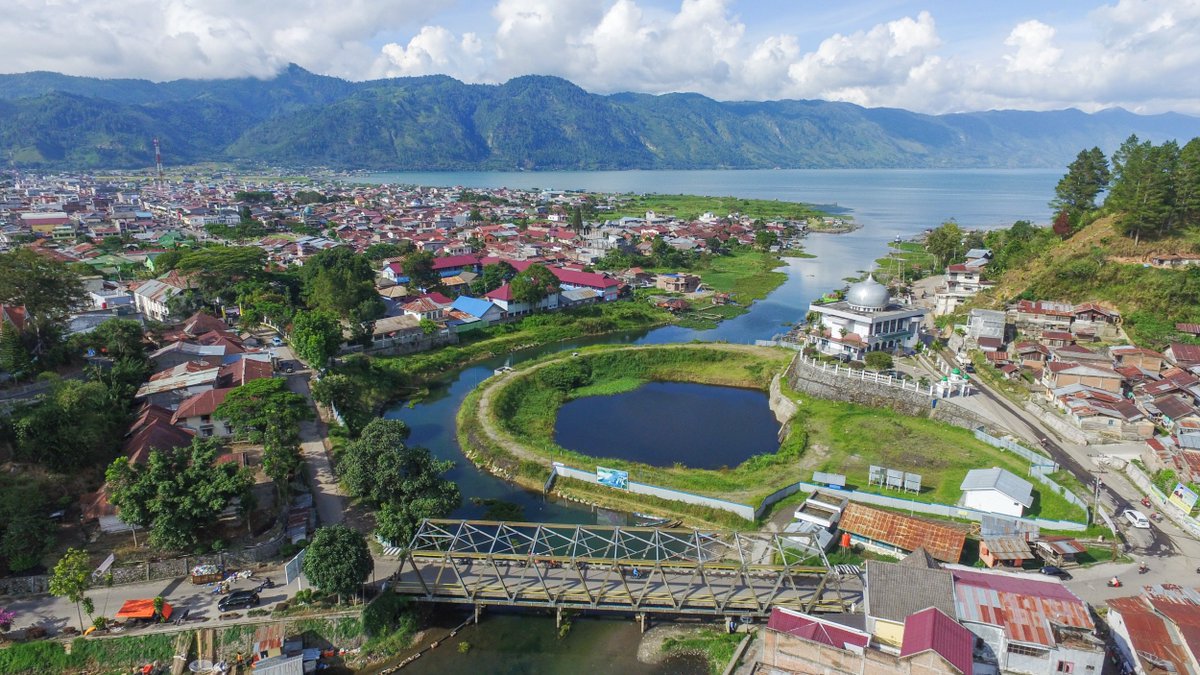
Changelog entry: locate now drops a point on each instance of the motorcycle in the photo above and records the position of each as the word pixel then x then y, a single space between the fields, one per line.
pixel 1142 569
pixel 1114 583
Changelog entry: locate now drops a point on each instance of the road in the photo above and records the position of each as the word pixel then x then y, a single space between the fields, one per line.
pixel 1158 544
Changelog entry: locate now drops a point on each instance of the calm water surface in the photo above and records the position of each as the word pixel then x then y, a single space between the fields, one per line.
pixel 887 203
pixel 662 423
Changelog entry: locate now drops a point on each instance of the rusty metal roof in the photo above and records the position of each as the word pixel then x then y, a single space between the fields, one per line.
pixel 944 542
pixel 1025 608
pixel 1008 548
pixel 1149 635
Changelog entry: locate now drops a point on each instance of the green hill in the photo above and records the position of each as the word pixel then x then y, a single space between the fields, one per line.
pixel 1099 265
pixel 532 122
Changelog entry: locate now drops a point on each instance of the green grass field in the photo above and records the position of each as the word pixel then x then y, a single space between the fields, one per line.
pixel 907 258
pixel 690 207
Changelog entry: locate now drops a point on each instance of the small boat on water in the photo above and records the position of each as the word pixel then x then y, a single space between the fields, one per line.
pixel 649 520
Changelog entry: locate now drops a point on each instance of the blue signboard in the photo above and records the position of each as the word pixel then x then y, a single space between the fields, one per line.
pixel 613 478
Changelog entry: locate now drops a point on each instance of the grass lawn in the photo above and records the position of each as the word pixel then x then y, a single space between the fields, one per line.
pixel 847 439
pixel 716 645
pixel 690 207
pixel 748 275
pixel 910 258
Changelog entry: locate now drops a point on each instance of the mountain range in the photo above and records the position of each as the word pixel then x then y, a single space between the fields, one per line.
pixel 298 118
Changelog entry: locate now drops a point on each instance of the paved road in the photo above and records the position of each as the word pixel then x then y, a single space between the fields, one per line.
pixel 1158 543
pixel 328 497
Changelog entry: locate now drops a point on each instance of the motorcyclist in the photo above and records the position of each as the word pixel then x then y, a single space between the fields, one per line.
pixel 1114 582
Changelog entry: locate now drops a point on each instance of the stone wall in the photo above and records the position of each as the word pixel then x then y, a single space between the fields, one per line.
pixel 1057 424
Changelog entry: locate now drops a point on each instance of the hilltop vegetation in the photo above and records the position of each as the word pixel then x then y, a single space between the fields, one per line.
pixel 1105 252
pixel 531 122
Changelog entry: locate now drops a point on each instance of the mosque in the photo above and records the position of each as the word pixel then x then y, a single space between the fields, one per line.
pixel 866 321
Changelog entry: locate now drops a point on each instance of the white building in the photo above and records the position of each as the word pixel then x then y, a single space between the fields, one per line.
pixel 995 490
pixel 866 321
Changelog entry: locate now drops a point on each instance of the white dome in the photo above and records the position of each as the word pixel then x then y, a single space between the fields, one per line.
pixel 868 295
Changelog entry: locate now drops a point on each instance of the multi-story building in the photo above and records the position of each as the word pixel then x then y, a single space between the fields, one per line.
pixel 866 321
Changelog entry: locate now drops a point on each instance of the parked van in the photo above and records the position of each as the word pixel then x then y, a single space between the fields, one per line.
pixel 1136 519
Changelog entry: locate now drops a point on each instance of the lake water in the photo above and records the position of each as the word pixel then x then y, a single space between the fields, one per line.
pixel 887 203
pixel 661 423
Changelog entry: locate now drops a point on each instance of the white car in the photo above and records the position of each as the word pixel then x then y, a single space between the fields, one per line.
pixel 1137 519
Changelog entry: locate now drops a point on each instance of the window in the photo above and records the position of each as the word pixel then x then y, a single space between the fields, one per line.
pixel 205 419
pixel 1024 650
pixel 1065 667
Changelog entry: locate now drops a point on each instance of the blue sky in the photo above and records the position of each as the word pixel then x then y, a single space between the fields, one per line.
pixel 933 57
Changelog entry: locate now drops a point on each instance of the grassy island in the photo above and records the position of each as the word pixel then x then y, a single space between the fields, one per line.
pixel 507 425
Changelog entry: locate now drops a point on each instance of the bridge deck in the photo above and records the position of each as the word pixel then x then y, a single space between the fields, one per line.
pixel 615 568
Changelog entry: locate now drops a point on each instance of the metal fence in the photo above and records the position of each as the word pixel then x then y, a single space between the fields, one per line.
pixel 1039 465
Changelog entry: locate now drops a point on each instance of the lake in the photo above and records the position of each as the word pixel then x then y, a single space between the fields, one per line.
pixel 887 203
pixel 663 423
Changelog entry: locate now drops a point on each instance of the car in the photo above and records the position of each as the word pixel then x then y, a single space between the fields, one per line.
pixel 969 368
pixel 1137 519
pixel 1055 571
pixel 238 600
pixel 288 368
pixel 277 341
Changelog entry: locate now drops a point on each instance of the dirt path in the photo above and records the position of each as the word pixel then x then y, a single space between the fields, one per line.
pixel 495 383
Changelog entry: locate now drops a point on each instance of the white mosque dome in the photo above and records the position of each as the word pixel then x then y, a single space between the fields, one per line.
pixel 868 295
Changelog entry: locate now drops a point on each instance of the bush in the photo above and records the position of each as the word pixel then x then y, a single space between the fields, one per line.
pixel 384 614
pixel 879 361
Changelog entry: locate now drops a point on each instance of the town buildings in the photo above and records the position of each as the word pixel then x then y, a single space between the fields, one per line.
pixel 866 320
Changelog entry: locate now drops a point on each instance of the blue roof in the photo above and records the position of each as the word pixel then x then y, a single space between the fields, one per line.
pixel 472 306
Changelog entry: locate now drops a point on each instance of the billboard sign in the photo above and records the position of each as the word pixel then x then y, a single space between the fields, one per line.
pixel 1183 497
pixel 613 478
pixel 294 568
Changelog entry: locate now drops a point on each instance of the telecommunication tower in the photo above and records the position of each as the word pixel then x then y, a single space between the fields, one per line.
pixel 159 182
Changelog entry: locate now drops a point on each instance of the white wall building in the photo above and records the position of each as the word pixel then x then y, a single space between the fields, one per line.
pixel 866 321
pixel 996 491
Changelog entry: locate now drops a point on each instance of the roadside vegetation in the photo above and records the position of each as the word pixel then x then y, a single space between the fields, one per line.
pixel 691 207
pixel 715 645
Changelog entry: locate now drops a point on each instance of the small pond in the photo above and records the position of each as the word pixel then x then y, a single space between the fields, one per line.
pixel 661 423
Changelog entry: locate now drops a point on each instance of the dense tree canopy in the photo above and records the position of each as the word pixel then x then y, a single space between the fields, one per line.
pixel 1085 179
pixel 47 289
pixel 26 532
pixel 494 276
pixel 265 411
pixel 316 337
pixel 387 249
pixel 74 425
pixel 418 267
pixel 946 243
pixel 404 481
pixel 218 269
pixel 343 393
pixel 176 493
pixel 341 281
pixel 338 560
pixel 1142 194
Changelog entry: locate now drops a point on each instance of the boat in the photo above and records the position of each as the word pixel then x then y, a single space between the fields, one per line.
pixel 650 520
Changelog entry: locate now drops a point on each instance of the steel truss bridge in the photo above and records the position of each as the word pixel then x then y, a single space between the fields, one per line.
pixel 639 570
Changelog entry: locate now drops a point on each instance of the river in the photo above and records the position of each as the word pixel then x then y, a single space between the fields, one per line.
pixel 886 203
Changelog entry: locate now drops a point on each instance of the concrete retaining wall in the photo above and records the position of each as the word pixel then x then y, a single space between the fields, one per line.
pixel 743 510
pixel 1176 514
pixel 1058 424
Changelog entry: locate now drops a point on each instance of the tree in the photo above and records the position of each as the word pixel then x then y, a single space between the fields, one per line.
pixel 1085 179
pixel 765 239
pixel 945 243
pixel 879 360
pixel 338 560
pixel 1062 224
pixel 25 532
pixel 73 425
pixel 176 493
pixel 316 337
pixel 387 249
pixel 265 411
pixel 15 358
pixel 167 260
pixel 343 393
pixel 418 267
pixel 405 481
pixel 47 289
pixel 217 269
pixel 341 281
pixel 71 579
pixel 577 219
pixel 533 285
pixel 1142 193
pixel 494 276
pixel 1187 183
pixel 118 338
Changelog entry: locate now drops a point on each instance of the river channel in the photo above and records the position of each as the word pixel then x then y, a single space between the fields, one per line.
pixel 921 200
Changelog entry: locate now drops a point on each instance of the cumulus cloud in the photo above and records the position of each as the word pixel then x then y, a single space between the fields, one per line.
pixel 167 39
pixel 1140 54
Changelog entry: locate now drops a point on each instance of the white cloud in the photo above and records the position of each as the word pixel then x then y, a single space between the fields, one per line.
pixel 167 39
pixel 1140 54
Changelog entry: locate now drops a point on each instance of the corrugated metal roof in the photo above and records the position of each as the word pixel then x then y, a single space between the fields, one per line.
pixel 816 630
pixel 932 629
pixel 895 591
pixel 1008 547
pixel 1003 481
pixel 1025 608
pixel 943 542
pixel 1149 634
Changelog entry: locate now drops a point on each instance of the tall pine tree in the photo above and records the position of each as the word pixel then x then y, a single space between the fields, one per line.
pixel 1085 179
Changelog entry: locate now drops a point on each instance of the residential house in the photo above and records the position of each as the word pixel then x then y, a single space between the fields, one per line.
pixel 897 534
pixel 1147 360
pixel 794 642
pixel 1031 355
pixel 483 310
pixel 502 298
pixel 1059 374
pixel 196 413
pixel 1158 631
pixel 895 591
pixel 1183 355
pixel 1025 624
pixel 677 283
pixel 424 308
pixel 996 490
pixel 1004 551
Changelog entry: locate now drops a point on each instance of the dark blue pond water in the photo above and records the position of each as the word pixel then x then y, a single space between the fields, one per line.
pixel 663 423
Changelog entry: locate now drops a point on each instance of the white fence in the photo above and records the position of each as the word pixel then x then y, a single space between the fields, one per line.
pixel 857 373
pixel 751 513
pixel 1176 514
pixel 1039 465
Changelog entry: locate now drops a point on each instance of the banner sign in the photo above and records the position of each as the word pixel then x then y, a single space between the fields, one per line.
pixel 613 478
